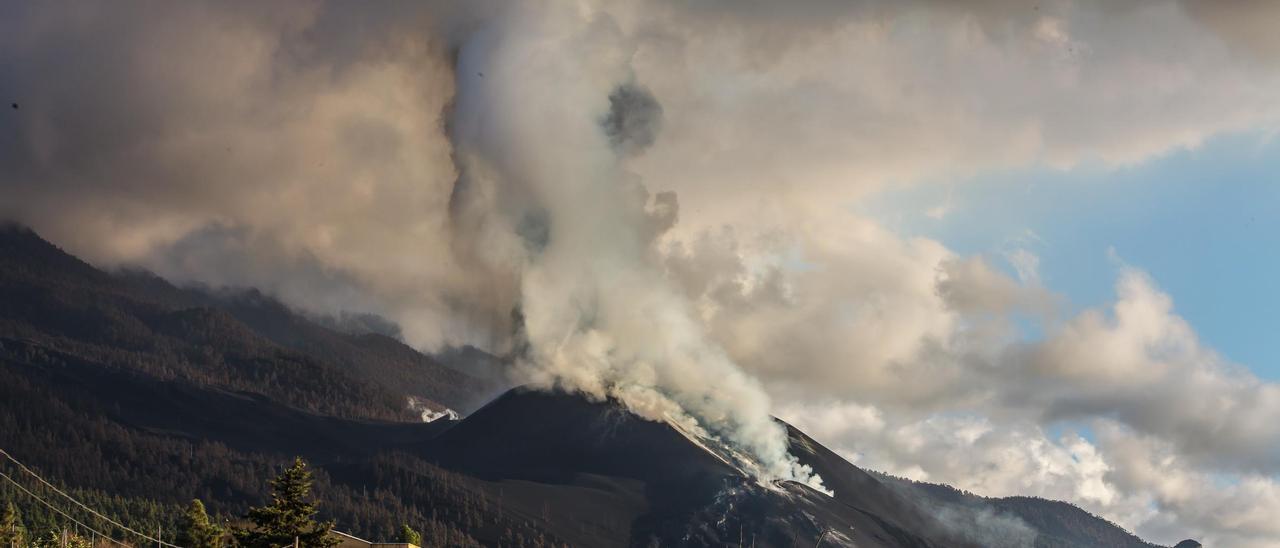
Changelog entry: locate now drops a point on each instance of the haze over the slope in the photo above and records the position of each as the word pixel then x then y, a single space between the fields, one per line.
pixel 665 190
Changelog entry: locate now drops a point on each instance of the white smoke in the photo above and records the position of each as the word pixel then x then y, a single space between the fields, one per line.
pixel 546 116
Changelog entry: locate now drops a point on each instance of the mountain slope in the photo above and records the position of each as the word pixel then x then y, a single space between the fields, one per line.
pixel 672 491
pixel 122 438
pixel 669 490
pixel 239 340
pixel 375 357
pixel 137 393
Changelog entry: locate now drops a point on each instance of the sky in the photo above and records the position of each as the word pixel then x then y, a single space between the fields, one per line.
pixel 1199 220
pixel 1020 248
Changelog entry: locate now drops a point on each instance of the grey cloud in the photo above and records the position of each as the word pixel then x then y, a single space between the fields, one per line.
pixel 1244 25
pixel 634 118
pixel 972 286
pixel 313 130
pixel 223 256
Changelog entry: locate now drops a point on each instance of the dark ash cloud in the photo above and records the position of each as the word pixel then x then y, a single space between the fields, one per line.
pixel 634 119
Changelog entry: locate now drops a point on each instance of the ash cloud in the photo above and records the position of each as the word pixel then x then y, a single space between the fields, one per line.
pixel 634 119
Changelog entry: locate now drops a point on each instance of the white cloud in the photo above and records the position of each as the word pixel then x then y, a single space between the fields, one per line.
pixel 1143 365
pixel 1186 444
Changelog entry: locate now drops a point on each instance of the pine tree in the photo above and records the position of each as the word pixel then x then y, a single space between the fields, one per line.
pixel 61 538
pixel 196 530
pixel 12 533
pixel 290 516
pixel 409 535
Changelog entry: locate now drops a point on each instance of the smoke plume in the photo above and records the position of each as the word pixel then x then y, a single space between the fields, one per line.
pixel 599 315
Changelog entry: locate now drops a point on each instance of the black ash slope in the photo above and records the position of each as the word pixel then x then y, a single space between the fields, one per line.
pixel 668 489
pixel 598 466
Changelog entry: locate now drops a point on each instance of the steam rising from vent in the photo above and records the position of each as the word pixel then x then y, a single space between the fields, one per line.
pixel 547 114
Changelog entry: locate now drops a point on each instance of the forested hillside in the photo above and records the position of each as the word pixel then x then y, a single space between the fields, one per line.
pixel 141 395
pixel 137 396
pixel 237 339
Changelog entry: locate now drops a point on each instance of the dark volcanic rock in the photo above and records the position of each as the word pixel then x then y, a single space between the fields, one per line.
pixel 665 488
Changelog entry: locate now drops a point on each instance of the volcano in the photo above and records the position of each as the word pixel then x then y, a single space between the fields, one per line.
pixel 620 480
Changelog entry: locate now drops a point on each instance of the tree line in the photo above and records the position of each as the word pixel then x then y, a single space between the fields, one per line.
pixel 288 520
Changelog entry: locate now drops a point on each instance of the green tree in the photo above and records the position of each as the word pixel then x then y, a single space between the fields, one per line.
pixel 61 538
pixel 12 533
pixel 196 531
pixel 409 535
pixel 290 516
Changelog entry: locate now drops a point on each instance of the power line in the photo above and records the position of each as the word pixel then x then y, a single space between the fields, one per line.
pixel 58 510
pixel 81 504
